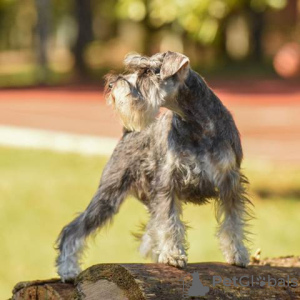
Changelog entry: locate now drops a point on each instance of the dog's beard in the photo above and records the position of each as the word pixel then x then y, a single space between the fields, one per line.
pixel 134 112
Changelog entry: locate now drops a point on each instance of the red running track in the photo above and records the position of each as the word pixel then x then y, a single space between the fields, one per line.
pixel 266 112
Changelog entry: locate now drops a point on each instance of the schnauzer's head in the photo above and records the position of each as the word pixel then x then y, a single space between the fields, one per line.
pixel 147 84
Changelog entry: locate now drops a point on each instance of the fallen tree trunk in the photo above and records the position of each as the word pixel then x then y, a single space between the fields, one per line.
pixel 265 280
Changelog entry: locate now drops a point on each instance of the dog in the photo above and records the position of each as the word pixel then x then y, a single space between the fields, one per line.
pixel 191 153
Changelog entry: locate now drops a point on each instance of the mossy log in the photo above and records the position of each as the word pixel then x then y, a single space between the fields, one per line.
pixel 156 281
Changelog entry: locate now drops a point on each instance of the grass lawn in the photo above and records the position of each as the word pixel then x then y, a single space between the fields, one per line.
pixel 41 191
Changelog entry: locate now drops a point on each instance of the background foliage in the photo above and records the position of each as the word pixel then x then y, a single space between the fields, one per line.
pixel 45 39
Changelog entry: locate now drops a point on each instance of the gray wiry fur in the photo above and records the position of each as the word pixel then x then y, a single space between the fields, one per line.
pixel 192 153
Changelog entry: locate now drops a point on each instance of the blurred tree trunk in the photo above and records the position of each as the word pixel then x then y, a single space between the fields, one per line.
pixel 85 34
pixel 221 49
pixel 149 44
pixel 43 23
pixel 150 31
pixel 293 12
pixel 257 28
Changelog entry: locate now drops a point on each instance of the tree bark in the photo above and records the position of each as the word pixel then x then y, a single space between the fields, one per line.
pixel 157 281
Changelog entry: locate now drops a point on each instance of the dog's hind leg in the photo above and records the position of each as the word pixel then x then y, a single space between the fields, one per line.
pixel 232 214
pixel 114 185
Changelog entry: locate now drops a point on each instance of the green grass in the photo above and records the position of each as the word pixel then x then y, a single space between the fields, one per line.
pixel 41 191
pixel 270 179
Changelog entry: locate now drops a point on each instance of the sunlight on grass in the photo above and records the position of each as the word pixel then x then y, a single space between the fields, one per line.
pixel 41 191
pixel 276 179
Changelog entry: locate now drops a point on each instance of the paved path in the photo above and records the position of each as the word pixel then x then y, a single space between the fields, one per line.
pixel 267 114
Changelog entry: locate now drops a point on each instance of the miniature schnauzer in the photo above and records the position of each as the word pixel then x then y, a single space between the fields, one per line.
pixel 192 153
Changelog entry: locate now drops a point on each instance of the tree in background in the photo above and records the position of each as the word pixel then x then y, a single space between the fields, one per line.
pixel 83 16
pixel 90 34
pixel 43 30
pixel 207 22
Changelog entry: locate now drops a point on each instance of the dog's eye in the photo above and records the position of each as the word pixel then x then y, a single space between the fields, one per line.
pixel 110 85
pixel 157 72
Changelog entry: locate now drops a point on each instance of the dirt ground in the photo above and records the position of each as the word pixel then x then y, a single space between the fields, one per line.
pixel 267 113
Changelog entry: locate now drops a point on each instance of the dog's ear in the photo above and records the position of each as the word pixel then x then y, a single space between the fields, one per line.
pixel 174 63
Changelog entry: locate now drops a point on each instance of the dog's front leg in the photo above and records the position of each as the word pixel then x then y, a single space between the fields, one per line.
pixel 168 229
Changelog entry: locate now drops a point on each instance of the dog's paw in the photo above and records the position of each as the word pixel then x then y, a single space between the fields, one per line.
pixel 68 277
pixel 243 263
pixel 240 258
pixel 175 260
pixel 68 272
